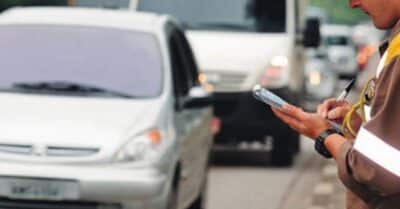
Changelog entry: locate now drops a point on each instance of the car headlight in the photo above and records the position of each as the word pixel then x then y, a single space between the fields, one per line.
pixel 275 71
pixel 314 77
pixel 140 148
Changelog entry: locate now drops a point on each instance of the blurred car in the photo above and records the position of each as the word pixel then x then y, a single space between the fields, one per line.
pixel 100 109
pixel 321 79
pixel 239 44
pixel 341 49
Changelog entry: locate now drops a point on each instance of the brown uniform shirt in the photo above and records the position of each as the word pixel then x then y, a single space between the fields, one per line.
pixel 369 166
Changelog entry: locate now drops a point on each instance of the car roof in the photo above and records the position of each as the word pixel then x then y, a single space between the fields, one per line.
pixel 92 17
pixel 336 29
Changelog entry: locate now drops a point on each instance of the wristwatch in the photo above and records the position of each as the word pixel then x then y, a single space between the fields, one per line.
pixel 319 145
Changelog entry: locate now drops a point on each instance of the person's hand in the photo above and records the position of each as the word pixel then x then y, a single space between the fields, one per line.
pixel 309 124
pixel 337 110
pixel 333 110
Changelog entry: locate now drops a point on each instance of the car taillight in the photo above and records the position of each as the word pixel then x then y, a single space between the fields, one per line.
pixel 215 125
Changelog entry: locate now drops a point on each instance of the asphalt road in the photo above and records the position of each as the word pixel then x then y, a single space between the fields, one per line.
pixel 256 187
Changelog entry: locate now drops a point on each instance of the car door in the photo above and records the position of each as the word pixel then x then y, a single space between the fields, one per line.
pixel 200 132
pixel 193 123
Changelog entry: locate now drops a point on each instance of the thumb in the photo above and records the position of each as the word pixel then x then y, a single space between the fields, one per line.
pixel 336 113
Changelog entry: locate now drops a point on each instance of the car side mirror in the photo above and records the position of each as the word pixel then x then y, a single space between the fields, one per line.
pixel 311 34
pixel 198 97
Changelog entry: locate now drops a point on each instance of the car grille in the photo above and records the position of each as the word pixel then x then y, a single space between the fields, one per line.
pixel 51 151
pixel 16 149
pixel 70 152
pixel 226 81
pixel 29 204
pixel 342 61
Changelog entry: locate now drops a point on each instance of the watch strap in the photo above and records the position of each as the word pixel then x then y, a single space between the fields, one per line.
pixel 319 145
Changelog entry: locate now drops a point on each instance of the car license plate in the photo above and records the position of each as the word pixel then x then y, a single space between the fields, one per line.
pixel 38 189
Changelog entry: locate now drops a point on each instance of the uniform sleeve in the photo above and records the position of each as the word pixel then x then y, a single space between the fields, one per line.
pixel 370 166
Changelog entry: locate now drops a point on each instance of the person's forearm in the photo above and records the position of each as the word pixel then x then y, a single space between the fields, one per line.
pixel 333 144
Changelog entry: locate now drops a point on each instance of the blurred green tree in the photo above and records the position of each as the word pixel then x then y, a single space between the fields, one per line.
pixel 4 4
pixel 339 11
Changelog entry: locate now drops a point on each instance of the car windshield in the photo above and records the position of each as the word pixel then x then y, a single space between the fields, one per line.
pixel 234 15
pixel 336 41
pixel 113 60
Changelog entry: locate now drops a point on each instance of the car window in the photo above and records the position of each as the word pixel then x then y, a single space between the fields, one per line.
pixel 179 66
pixel 234 15
pixel 120 60
pixel 188 59
pixel 337 41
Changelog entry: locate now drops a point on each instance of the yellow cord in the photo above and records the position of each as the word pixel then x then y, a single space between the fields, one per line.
pixel 362 101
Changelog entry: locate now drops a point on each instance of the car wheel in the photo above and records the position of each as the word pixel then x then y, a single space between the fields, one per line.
pixel 172 202
pixel 295 137
pixel 283 149
pixel 200 201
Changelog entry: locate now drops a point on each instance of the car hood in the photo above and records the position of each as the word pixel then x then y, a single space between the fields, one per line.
pixel 235 51
pixel 72 121
pixel 317 64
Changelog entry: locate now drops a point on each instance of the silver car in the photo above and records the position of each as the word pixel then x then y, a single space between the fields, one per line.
pixel 341 49
pixel 321 79
pixel 100 109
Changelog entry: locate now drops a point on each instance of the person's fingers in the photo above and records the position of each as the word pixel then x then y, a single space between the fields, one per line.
pixel 329 104
pixel 342 103
pixel 279 113
pixel 338 112
pixel 319 109
pixel 289 120
pixel 324 106
pixel 294 111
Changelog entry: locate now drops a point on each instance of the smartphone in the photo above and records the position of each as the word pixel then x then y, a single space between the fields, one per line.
pixel 268 97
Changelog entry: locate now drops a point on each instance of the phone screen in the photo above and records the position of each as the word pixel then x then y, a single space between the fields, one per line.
pixel 268 97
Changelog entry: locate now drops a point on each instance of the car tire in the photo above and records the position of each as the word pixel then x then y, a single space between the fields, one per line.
pixel 200 201
pixel 295 137
pixel 283 150
pixel 172 201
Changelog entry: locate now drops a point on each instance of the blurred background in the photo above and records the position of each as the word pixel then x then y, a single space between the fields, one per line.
pixel 208 143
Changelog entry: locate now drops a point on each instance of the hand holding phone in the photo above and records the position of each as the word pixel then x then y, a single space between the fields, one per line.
pixel 268 97
pixel 274 100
